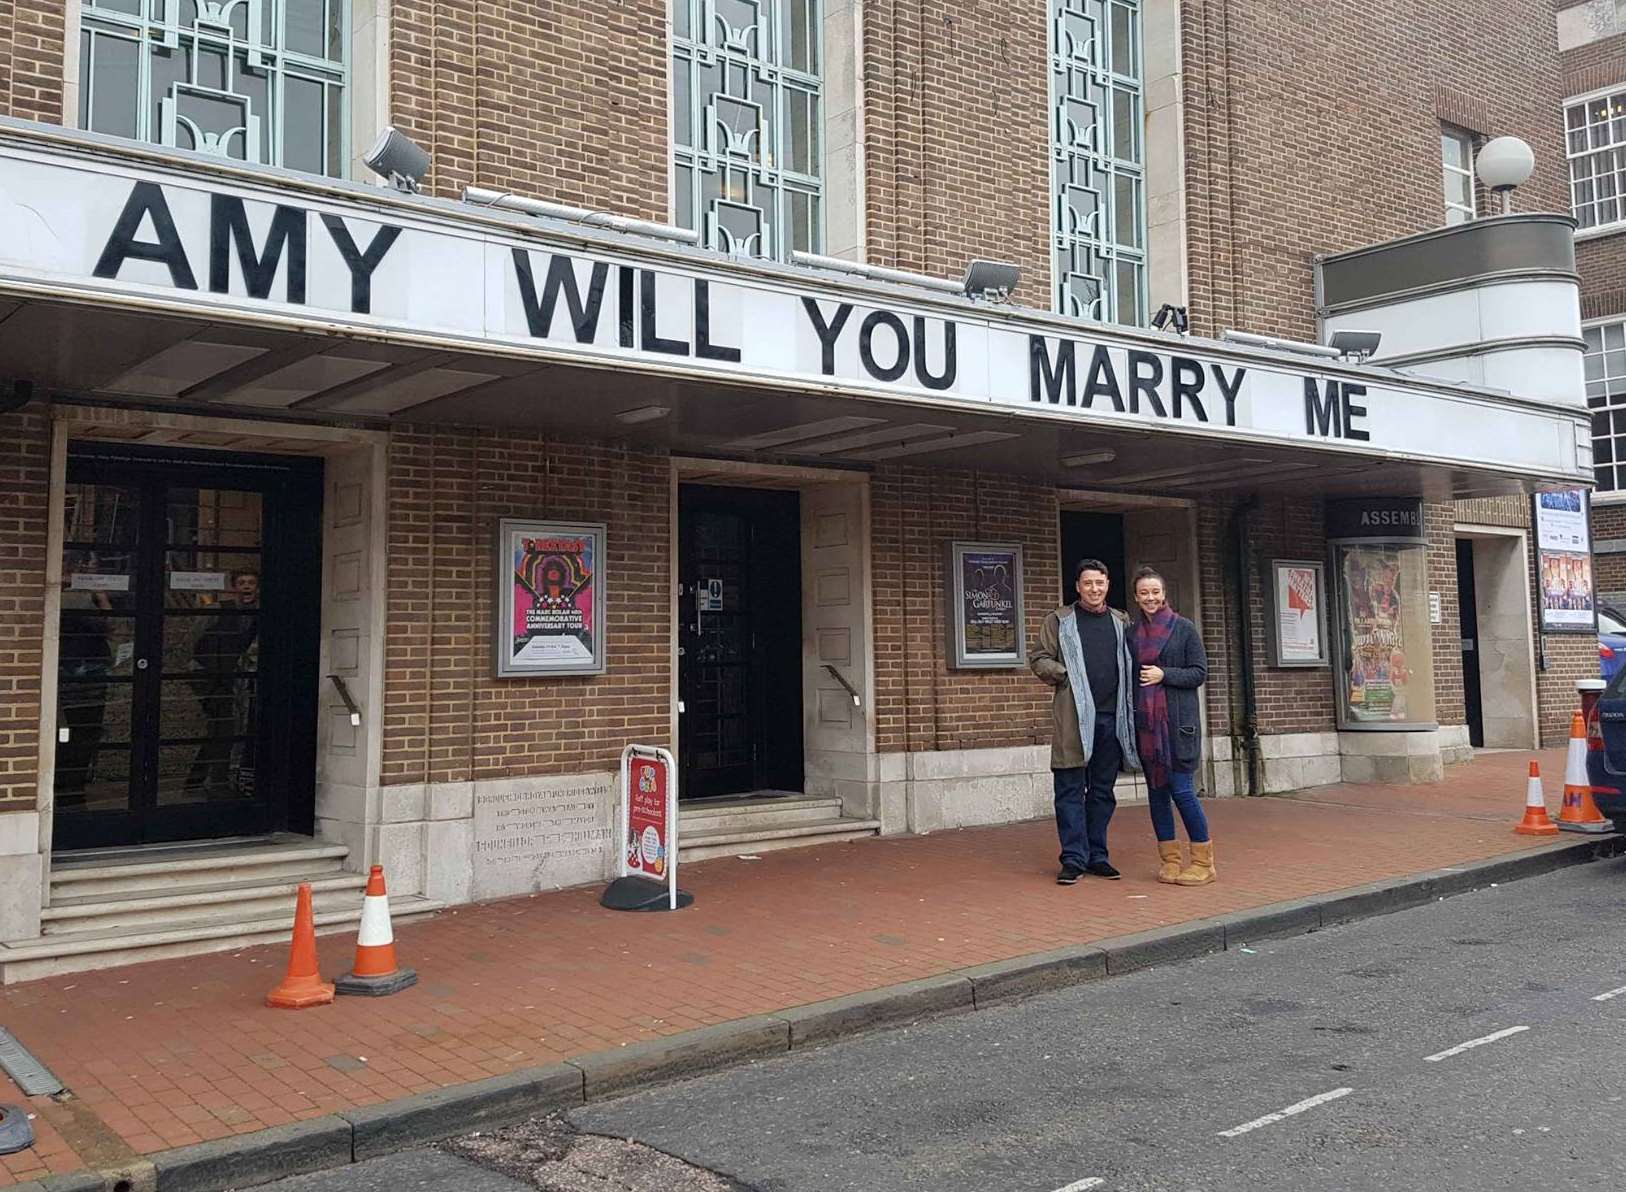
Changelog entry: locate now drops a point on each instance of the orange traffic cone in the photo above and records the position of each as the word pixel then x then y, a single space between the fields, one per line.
pixel 1535 821
pixel 1579 813
pixel 376 972
pixel 303 986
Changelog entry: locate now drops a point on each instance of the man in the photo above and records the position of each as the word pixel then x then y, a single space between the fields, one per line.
pixel 1084 653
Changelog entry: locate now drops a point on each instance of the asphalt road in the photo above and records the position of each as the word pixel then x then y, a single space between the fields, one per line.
pixel 1467 1044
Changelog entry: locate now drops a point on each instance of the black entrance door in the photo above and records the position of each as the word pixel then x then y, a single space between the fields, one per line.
pixel 186 679
pixel 1468 614
pixel 739 641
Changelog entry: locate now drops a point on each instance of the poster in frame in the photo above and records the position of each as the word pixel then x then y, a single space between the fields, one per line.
pixel 550 598
pixel 987 614
pixel 1564 556
pixel 1298 620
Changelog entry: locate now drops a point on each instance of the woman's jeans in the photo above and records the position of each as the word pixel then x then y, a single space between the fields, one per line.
pixel 1182 793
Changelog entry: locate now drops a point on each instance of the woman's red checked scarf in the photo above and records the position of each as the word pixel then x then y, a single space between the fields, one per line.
pixel 1151 705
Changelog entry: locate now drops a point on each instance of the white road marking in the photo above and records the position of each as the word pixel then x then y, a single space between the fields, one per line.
pixel 1604 997
pixel 1472 1043
pixel 1082 1185
pixel 1291 1110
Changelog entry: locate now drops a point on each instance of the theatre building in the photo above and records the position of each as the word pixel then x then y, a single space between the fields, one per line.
pixel 344 524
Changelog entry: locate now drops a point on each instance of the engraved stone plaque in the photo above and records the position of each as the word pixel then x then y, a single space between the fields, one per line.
pixel 535 834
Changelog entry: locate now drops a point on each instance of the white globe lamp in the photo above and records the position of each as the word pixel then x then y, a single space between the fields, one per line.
pixel 1504 163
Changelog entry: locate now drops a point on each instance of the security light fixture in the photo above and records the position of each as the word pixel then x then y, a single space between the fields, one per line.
pixel 1280 345
pixel 643 414
pixel 991 280
pixel 1359 344
pixel 399 158
pixel 1503 164
pixel 1168 314
pixel 1084 459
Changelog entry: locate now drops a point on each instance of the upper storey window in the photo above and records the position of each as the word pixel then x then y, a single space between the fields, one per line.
pixel 1457 162
pixel 746 123
pixel 1595 131
pixel 1098 159
pixel 255 80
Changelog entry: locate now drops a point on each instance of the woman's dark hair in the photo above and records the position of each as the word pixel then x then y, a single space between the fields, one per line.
pixel 1084 565
pixel 1148 573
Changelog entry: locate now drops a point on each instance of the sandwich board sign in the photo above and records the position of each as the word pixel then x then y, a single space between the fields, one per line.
pixel 647 825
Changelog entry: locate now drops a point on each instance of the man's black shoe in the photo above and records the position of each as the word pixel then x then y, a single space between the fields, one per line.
pixel 1068 875
pixel 1101 869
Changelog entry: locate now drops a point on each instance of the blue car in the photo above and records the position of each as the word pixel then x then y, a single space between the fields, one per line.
pixel 1606 750
pixel 1611 642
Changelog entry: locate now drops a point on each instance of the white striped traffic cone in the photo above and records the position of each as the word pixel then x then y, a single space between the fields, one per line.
pixel 376 972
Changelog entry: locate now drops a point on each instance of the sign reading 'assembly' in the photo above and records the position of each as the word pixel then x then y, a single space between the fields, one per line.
pixel 199 243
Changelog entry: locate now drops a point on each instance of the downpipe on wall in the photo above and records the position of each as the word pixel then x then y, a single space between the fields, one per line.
pixel 1245 733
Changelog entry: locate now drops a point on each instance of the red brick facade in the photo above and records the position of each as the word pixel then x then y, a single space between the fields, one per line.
pixel 31 45
pixel 446 718
pixel 25 464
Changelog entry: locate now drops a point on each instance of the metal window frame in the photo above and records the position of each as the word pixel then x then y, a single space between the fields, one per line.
pixel 1615 439
pixel 1582 211
pixel 153 26
pixel 1466 139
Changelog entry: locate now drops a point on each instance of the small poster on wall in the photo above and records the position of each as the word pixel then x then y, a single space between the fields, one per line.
pixel 1564 545
pixel 550 598
pixel 986 625
pixel 1299 624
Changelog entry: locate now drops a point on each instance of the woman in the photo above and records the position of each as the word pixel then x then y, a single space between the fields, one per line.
pixel 1173 665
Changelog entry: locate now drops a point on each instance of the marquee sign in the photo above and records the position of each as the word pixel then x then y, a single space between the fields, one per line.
pixel 201 245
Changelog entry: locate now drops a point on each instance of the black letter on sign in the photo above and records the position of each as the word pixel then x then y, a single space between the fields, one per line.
pixel 228 225
pixel 1145 386
pixel 146 199
pixel 1229 390
pixel 1101 367
pixel 883 318
pixel 1046 383
pixel 652 342
pixel 561 277
pixel 1352 412
pixel 362 264
pixel 950 365
pixel 1323 415
pixel 829 332
pixel 703 347
pixel 1188 383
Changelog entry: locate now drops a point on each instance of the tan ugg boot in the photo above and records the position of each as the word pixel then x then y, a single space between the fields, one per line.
pixel 1201 870
pixel 1169 871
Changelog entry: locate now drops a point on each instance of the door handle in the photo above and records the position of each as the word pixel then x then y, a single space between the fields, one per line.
pixel 141 664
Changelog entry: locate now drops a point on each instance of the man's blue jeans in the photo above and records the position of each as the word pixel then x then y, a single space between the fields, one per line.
pixel 1085 800
pixel 1182 793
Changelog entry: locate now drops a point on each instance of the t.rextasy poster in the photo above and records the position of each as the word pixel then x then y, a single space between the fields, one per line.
pixel 1378 669
pixel 551 597
pixel 1564 545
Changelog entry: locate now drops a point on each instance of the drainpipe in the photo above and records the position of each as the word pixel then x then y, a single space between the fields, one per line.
pixel 1246 734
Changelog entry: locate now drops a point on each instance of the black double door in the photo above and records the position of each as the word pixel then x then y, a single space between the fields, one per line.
pixel 1468 613
pixel 186 675
pixel 739 641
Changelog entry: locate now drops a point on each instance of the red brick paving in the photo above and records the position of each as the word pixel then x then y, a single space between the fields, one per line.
pixel 180 1051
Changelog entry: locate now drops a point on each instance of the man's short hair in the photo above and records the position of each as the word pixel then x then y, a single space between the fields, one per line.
pixel 1084 565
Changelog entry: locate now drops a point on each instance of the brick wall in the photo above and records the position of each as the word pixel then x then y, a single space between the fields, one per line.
pixel 956 137
pixel 446 718
pixel 31 45
pixel 1315 128
pixel 25 466
pixel 920 704
pixel 1609 570
pixel 1593 66
pixel 1290 700
pixel 563 102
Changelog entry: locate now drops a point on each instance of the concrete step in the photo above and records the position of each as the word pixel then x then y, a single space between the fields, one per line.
pixel 243 900
pixel 731 842
pixel 54 955
pixel 716 815
pixel 187 869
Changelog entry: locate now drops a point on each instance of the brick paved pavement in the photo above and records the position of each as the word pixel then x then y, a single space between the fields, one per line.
pixel 179 1051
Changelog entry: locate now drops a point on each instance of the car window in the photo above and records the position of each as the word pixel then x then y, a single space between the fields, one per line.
pixel 1609 623
pixel 1617 686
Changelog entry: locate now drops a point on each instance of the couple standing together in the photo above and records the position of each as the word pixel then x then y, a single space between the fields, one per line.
pixel 1126 698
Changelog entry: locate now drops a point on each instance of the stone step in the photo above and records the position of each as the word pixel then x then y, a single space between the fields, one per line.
pixel 54 955
pixel 180 870
pixel 244 900
pixel 716 815
pixel 731 843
